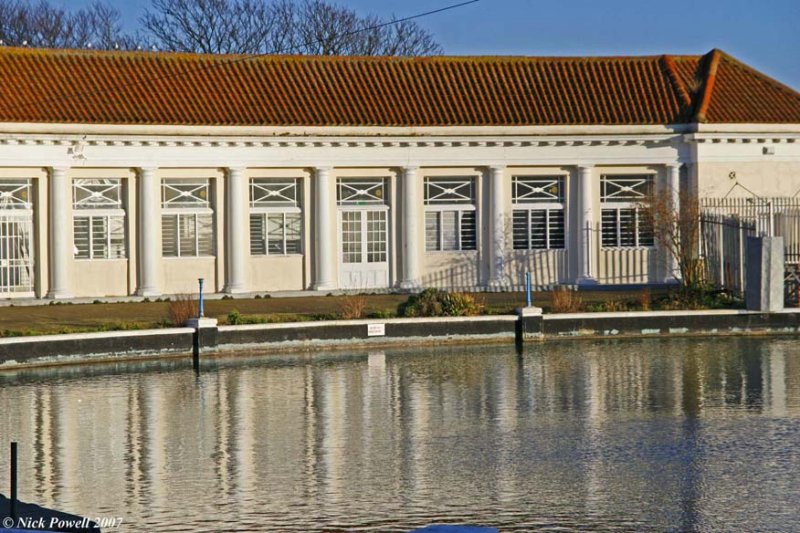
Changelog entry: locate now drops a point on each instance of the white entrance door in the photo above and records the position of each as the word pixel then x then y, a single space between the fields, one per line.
pixel 364 253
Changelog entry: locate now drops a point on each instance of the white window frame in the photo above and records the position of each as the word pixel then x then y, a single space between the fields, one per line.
pixel 270 197
pixel 100 199
pixel 625 199
pixel 460 198
pixel 192 202
pixel 528 198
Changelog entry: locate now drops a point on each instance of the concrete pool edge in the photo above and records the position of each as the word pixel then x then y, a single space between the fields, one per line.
pixel 17 352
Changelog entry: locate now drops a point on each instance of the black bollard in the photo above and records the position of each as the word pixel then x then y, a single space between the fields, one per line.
pixel 13 502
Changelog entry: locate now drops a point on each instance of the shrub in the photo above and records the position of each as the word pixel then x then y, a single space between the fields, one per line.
pixel 436 302
pixel 352 306
pixel 182 308
pixel 234 318
pixel 564 300
pixel 645 299
pixel 615 305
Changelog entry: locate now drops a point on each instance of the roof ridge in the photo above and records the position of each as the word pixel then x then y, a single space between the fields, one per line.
pixel 167 54
pixel 713 58
pixel 672 74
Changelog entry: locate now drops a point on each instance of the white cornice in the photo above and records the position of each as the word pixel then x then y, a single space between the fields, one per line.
pixel 30 139
pixel 747 128
pixel 742 138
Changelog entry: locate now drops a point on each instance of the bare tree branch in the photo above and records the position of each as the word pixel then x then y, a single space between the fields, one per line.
pixel 281 26
pixel 44 25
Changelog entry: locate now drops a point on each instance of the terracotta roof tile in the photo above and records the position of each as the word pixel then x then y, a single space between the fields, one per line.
pixel 92 87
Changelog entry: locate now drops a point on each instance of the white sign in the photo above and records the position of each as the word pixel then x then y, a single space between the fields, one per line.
pixel 376 330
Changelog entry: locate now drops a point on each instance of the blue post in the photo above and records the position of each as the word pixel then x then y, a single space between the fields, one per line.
pixel 528 288
pixel 200 306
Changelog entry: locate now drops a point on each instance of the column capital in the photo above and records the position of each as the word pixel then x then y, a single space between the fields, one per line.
pixel 147 170
pixel 497 168
pixel 235 169
pixel 319 169
pixel 586 166
pixel 673 166
pixel 409 168
pixel 59 169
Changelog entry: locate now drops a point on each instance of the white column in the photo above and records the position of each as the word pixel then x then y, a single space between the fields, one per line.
pixel 237 231
pixel 61 249
pixel 149 224
pixel 586 224
pixel 498 226
pixel 412 218
pixel 325 250
pixel 673 188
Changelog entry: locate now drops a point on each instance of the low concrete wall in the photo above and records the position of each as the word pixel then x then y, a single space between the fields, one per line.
pixel 80 347
pixel 87 347
pixel 667 323
pixel 390 330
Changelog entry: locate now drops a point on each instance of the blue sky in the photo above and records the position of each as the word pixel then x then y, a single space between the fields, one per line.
pixel 764 34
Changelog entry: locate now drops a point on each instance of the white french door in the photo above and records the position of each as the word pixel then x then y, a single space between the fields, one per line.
pixel 364 251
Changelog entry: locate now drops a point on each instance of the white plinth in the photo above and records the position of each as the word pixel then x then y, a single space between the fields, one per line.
pixel 199 323
pixel 529 311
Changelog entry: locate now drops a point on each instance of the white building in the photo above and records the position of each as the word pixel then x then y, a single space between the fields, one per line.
pixel 136 173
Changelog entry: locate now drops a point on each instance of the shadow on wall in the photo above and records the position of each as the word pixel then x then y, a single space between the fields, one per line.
pixel 633 265
pixel 460 272
pixel 548 268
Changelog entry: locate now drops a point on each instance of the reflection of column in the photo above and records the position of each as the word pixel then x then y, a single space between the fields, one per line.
pixel 325 251
pixel 673 187
pixel 60 226
pixel 337 434
pixel 245 439
pixel 149 252
pixel 498 226
pixel 237 230
pixel 412 216
pixel 585 224
pixel 777 381
pixel 156 444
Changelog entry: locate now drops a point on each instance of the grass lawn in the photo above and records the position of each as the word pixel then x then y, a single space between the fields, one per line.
pixel 63 318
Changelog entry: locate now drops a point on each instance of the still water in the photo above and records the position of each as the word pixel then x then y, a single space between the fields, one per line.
pixel 678 435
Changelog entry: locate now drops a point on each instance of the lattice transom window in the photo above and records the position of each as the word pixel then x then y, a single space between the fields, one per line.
pixel 15 194
pixel 449 190
pixel 274 192
pixel 625 188
pixel 538 190
pixel 361 191
pixel 185 193
pixel 97 193
pixel 623 220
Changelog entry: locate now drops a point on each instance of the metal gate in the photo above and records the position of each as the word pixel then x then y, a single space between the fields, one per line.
pixel 16 238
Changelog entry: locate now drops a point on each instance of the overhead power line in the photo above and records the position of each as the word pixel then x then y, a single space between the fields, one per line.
pixel 239 59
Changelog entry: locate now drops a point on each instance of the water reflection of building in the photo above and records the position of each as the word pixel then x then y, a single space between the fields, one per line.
pixel 581 426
